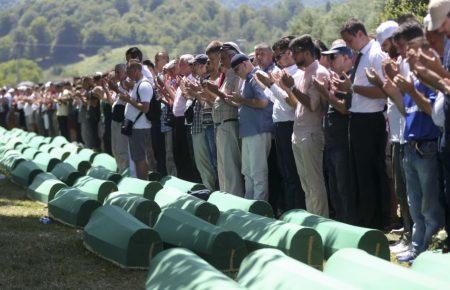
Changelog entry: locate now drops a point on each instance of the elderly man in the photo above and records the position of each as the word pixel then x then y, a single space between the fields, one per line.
pixel 255 128
pixel 225 117
pixel 264 57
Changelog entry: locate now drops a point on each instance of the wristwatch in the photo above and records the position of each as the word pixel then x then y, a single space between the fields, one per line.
pixel 292 87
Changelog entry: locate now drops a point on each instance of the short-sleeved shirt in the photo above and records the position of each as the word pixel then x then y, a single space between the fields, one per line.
pixel 372 56
pixel 282 111
pixel 146 94
pixel 307 120
pixel 221 110
pixel 179 103
pixel 419 125
pixel 253 121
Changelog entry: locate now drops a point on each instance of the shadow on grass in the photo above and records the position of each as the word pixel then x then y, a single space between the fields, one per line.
pixel 37 256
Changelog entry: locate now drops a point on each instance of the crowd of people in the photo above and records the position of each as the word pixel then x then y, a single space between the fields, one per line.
pixel 357 132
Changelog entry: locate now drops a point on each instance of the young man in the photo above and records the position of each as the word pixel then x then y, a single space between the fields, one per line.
pixel 367 127
pixel 307 137
pixel 137 106
pixel 255 128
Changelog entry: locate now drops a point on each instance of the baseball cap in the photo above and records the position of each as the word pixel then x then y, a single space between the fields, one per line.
pixel 230 46
pixel 199 59
pixel 238 59
pixel 386 30
pixel 438 10
pixel 338 47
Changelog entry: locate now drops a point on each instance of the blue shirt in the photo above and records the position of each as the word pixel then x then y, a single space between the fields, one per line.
pixel 254 121
pixel 419 125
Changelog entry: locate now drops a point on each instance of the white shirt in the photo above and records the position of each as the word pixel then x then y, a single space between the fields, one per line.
pixel 395 118
pixel 27 107
pixel 438 114
pixel 146 94
pixel 282 112
pixel 372 56
pixel 62 109
pixel 179 104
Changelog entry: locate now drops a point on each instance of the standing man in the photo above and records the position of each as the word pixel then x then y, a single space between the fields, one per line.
pixel 255 128
pixel 307 137
pixel 138 104
pixel 283 118
pixel 367 127
pixel 225 117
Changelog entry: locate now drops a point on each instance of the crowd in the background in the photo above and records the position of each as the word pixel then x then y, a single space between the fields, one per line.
pixel 354 132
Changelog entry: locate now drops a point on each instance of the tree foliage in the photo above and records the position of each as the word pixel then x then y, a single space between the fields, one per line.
pixel 14 71
pixel 394 9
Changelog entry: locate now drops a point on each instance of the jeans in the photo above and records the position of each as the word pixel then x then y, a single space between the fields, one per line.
pixel 158 143
pixel 211 142
pixel 421 166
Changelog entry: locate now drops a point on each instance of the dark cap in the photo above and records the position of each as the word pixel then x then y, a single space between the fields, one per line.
pixel 230 46
pixel 238 59
pixel 199 59
pixel 338 48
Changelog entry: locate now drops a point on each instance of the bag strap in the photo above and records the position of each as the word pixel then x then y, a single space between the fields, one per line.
pixel 139 100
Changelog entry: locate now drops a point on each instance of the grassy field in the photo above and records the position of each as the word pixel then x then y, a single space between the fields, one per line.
pixel 38 256
pixel 101 62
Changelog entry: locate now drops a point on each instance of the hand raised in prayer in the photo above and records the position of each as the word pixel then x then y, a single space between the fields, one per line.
pixel 405 85
pixel 265 79
pixel 430 60
pixel 322 86
pixel 373 77
pixel 342 85
pixel 287 80
pixel 234 98
pixel 390 69
pixel 389 87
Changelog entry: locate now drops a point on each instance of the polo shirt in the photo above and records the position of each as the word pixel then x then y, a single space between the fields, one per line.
pixel 253 121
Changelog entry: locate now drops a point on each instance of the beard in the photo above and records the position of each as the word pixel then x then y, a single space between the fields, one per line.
pixel 301 63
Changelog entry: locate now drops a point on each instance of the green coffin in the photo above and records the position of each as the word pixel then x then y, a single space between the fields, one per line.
pixel 147 189
pixel 59 153
pixel 87 154
pixel 126 172
pixel 95 188
pixel 171 197
pixel 45 161
pixel 36 142
pixel 223 249
pixel 180 184
pixel 28 136
pixel 225 201
pixel 433 264
pixel 66 173
pixel 10 160
pixel 358 268
pixel 25 172
pixel 44 187
pixel 191 272
pixel 71 147
pixel 78 163
pixel 72 207
pixel 106 161
pixel 120 238
pixel 101 172
pixel 58 141
pixel 145 210
pixel 336 235
pixel 154 176
pixel 46 148
pixel 30 153
pixel 301 243
pixel 270 269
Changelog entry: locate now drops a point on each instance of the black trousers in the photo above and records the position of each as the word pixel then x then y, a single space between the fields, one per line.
pixel 159 148
pixel 63 126
pixel 293 195
pixel 368 137
pixel 183 161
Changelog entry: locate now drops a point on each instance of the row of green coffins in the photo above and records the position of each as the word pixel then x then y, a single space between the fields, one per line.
pixel 269 269
pixel 270 233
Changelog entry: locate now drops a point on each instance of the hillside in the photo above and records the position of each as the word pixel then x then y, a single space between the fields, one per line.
pixel 58 31
pixel 269 3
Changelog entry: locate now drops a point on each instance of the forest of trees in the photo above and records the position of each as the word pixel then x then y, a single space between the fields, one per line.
pixel 58 32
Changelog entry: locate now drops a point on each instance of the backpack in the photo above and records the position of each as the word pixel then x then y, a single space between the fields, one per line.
pixel 154 110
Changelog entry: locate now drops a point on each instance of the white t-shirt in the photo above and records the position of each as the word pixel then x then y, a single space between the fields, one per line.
pixel 395 118
pixel 146 94
pixel 28 108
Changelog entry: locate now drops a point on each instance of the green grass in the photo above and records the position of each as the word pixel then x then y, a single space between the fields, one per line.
pixel 103 61
pixel 38 256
